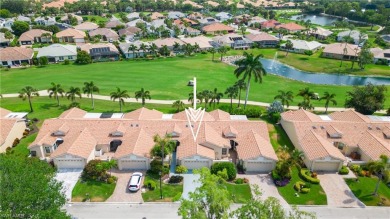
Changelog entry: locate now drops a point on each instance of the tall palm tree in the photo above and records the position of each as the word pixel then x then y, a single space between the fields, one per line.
pixel 222 50
pixel 132 48
pixel 89 88
pixel 240 84
pixel 231 92
pixel 285 97
pixel 121 95
pixel 143 48
pixel 296 157
pixel 72 93
pixel 196 47
pixel 191 98
pixel 176 47
pixel 153 49
pixel 206 96
pixel 328 98
pixel 379 168
pixel 178 104
pixel 27 93
pixel 212 51
pixel 250 66
pixel 289 45
pixel 215 97
pixel 306 93
pixel 56 90
pixel 143 94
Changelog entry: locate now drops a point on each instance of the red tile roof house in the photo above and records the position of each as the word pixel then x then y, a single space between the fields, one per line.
pixel 341 51
pixel 217 28
pixel 107 34
pixel 35 36
pixel 101 51
pixel 15 56
pixel 71 36
pixel 263 39
pixel 76 137
pixel 269 24
pixel 12 127
pixel 329 140
pixel 291 27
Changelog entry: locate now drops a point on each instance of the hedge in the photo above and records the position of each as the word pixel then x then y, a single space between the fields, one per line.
pixel 150 184
pixel 355 168
pixel 305 175
pixel 175 179
pixel 344 170
pixel 305 190
pixel 298 185
pixel 230 168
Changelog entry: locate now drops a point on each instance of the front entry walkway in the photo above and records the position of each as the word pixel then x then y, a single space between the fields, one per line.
pixel 121 192
pixel 190 183
pixel 69 178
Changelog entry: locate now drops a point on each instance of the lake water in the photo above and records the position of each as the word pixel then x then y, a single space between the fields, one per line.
pixel 283 70
pixel 316 19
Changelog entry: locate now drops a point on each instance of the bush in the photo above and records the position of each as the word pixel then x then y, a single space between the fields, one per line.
pixel 150 184
pixel 110 180
pixel 230 168
pixel 66 62
pixel 275 175
pixel 181 169
pixel 344 170
pixel 275 117
pixel 305 175
pixel 155 167
pixel 299 185
pixel 93 172
pixel 305 190
pixel 223 174
pixel 175 179
pixel 239 181
pixel 362 173
pixel 16 142
pixel 177 197
pixel 355 168
pixel 308 52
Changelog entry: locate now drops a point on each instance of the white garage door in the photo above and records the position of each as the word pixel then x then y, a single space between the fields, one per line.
pixel 133 164
pixel 326 166
pixel 258 166
pixel 195 164
pixel 69 163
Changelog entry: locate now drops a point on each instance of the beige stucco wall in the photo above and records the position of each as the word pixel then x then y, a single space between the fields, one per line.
pixel 16 132
pixel 39 150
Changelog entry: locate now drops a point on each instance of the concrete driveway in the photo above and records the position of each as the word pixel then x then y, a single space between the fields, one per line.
pixel 69 178
pixel 121 192
pixel 266 186
pixel 190 183
pixel 337 191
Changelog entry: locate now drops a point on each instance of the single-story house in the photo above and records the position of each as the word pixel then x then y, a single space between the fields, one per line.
pixel 256 20
pixel 382 55
pixel 212 3
pixel 114 24
pixel 263 39
pixel 217 28
pixel 182 21
pixel 133 16
pixel 191 31
pixel 290 27
pixel 193 4
pixel 15 56
pixel 386 38
pixel 320 33
pixel 343 51
pixel 130 54
pixel 58 53
pixel 203 42
pixel 107 34
pixel 67 19
pixel 207 21
pixel 233 41
pixel 300 46
pixel 156 15
pixel 12 127
pixel 328 140
pixel 6 23
pixel 223 16
pixel 101 51
pixel 269 24
pixel 35 36
pixel 76 137
pixel 195 16
pixel 86 26
pixel 133 23
pixel 4 42
pixel 169 42
pixel 23 18
pixel 45 21
pixel 357 37
pixel 71 36
pixel 129 33
pixel 175 14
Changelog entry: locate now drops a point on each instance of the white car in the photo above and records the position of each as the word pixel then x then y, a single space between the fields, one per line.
pixel 135 182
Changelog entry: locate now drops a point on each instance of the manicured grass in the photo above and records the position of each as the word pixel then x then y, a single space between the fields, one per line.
pixel 240 193
pixel 98 191
pixel 316 196
pixel 21 148
pixel 364 188
pixel 98 18
pixel 170 192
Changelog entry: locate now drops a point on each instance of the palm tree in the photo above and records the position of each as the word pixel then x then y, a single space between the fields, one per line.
pixel 212 51
pixel 215 97
pixel 27 93
pixel 143 94
pixel 196 47
pixel 164 50
pixel 285 97
pixel 121 95
pixel 231 92
pixel 178 104
pixel 289 45
pixel 296 157
pixel 206 96
pixel 153 49
pixel 72 93
pixel 240 84
pixel 132 48
pixel 250 66
pixel 176 47
pixel 143 48
pixel 89 88
pixel 191 98
pixel 222 50
pixel 328 98
pixel 56 90
pixel 306 93
pixel 379 168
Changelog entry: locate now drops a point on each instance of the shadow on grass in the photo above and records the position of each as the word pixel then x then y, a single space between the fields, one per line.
pixel 303 58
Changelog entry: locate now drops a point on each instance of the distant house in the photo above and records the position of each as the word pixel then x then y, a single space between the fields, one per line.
pixel 320 33
pixel 193 4
pixel 341 51
pixel 6 23
pixel 386 38
pixel 129 33
pixel 23 18
pixel 354 34
pixel 107 34
pixel 101 51
pixel 256 20
pixel 263 39
pixel 169 42
pixel 15 56
pixel 191 31
pixel 185 20
pixel 269 24
pixel 300 46
pixel 45 21
pixel 58 52
pixel 213 4
pixel 67 19
pixel 207 21
pixel 12 126
pixel 195 16
pixel 175 14
pixel 290 27
pixel 233 41
pixel 4 42
pixel 381 55
pixel 156 15
pixel 217 28
pixel 35 36
pixel 86 26
pixel 133 23
pixel 223 16
pixel 129 54
pixel 71 36
pixel 114 24
pixel 203 42
pixel 133 16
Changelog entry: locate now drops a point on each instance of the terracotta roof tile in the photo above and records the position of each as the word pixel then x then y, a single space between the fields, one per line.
pixel 216 27
pixel 16 53
pixel 73 113
pixel 373 146
pixel 31 34
pixel 220 115
pixel 143 114
pixel 349 115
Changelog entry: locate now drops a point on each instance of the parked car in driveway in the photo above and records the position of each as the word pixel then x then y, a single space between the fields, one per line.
pixel 135 182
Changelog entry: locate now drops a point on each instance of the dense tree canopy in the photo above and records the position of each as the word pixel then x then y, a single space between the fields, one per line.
pixel 19 27
pixel 367 99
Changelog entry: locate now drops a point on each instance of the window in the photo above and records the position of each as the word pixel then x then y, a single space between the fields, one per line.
pixel 224 151
pixel 61 58
pixel 70 57
pixel 33 153
pixel 55 146
pixel 5 63
pixel 47 150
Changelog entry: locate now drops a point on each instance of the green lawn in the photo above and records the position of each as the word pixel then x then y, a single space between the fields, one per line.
pixel 98 18
pixel 170 192
pixel 21 148
pixel 316 196
pixel 98 191
pixel 364 188
pixel 240 193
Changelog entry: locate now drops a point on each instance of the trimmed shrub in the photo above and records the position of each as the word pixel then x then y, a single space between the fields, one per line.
pixel 355 168
pixel 239 181
pixel 155 167
pixel 306 175
pixel 110 180
pixel 230 168
pixel 175 179
pixel 181 169
pixel 66 62
pixel 223 174
pixel 305 190
pixel 299 185
pixel 150 184
pixel 275 175
pixel 344 170
pixel 93 171
pixel 362 173
pixel 16 142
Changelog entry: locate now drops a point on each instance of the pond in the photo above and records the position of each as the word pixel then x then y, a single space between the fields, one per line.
pixel 277 68
pixel 315 19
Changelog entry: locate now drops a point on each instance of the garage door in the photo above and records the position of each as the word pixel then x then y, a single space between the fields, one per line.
pixel 70 163
pixel 195 164
pixel 326 166
pixel 133 164
pixel 258 166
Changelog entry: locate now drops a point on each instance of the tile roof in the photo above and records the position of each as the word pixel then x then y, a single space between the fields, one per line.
pixel 77 34
pixel 374 146
pixel 88 46
pixel 156 15
pixel 114 23
pixel 202 41
pixel 129 31
pixel 290 26
pixel 262 36
pixel 16 53
pixel 338 48
pixel 305 45
pixel 143 114
pixel 4 112
pixel 349 115
pixel 300 115
pixel 57 50
pixel 104 32
pixel 252 145
pixel 86 26
pixel 270 24
pixel 168 42
pixel 217 27
pixel 6 127
pixel 73 113
pixel 31 34
pixel 220 115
